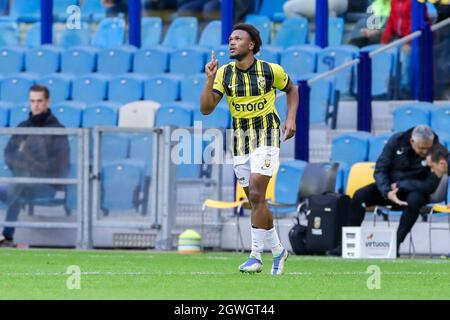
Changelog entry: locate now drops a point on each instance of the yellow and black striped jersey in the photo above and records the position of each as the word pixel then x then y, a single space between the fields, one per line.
pixel 251 96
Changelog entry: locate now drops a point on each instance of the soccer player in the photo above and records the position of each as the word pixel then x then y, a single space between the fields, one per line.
pixel 250 88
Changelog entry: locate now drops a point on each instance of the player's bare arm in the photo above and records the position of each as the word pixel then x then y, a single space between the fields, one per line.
pixel 289 126
pixel 208 98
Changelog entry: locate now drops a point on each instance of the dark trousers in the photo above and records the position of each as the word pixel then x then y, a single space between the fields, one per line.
pixel 370 196
pixel 17 195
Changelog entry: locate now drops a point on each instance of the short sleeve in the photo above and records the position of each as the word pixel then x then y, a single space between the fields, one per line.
pixel 218 85
pixel 280 78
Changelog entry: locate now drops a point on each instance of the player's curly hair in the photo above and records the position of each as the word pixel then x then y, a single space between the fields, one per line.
pixel 253 32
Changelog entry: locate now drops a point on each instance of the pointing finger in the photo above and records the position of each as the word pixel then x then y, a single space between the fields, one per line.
pixel 212 55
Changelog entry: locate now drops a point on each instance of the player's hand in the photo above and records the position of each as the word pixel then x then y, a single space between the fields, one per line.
pixel 392 196
pixel 211 67
pixel 288 129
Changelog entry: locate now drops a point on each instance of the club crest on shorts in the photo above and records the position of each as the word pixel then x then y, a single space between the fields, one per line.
pixel 267 163
pixel 261 82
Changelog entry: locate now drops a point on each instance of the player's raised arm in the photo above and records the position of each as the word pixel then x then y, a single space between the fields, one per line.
pixel 209 98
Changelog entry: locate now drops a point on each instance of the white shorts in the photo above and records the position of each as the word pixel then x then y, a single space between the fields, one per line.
pixel 263 160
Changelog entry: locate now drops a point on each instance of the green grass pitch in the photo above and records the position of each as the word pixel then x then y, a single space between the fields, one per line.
pixel 41 274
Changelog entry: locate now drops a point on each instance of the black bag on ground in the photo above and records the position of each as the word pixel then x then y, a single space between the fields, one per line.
pixel 327 214
pixel 297 238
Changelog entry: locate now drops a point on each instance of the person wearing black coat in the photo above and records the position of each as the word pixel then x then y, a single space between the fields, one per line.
pixel 37 156
pixel 402 179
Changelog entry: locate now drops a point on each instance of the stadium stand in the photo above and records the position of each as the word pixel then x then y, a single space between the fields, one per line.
pixel 90 88
pixel 408 116
pixel 299 60
pixel 92 10
pixel 440 121
pixel 9 32
pixel 293 31
pixel 151 29
pixel 43 59
pixel 109 33
pixel 139 114
pixel 11 60
pixel 115 61
pixel 151 61
pixel 162 88
pixel 211 35
pixel 25 10
pixel 187 61
pixel 69 113
pixel 15 87
pixel 59 84
pixel 191 87
pixel 75 37
pixel 273 9
pixel 263 24
pixel 376 146
pixel 182 33
pixel 126 88
pixel 101 114
pixel 79 60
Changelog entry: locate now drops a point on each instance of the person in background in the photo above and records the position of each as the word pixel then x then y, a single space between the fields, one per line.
pixel 36 156
pixel 115 8
pixel 368 30
pixel 211 9
pixel 307 8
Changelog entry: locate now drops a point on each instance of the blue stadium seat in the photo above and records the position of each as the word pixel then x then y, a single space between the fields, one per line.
pixel 110 33
pixel 270 54
pixel 9 32
pixel 33 36
pixel 175 114
pixel 90 88
pixel 300 60
pixel 101 114
pixel 92 10
pixel 219 118
pixel 119 186
pixel 60 86
pixel 335 31
pixel 151 29
pixel 151 61
pixel 321 96
pixel 115 61
pixel 221 54
pixel 288 180
pixel 440 120
pixel 69 113
pixel 18 114
pixel 191 87
pixel 211 35
pixel 79 60
pixel 263 24
pixel 332 57
pixel 15 88
pixel 5 108
pixel 11 60
pixel 347 149
pixel 292 32
pixel 162 88
pixel 43 60
pixel 25 10
pixel 273 9
pixel 187 61
pixel 182 33
pixel 126 88
pixel 408 116
pixel 141 151
pixel 376 146
pixel 114 147
pixel 75 37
